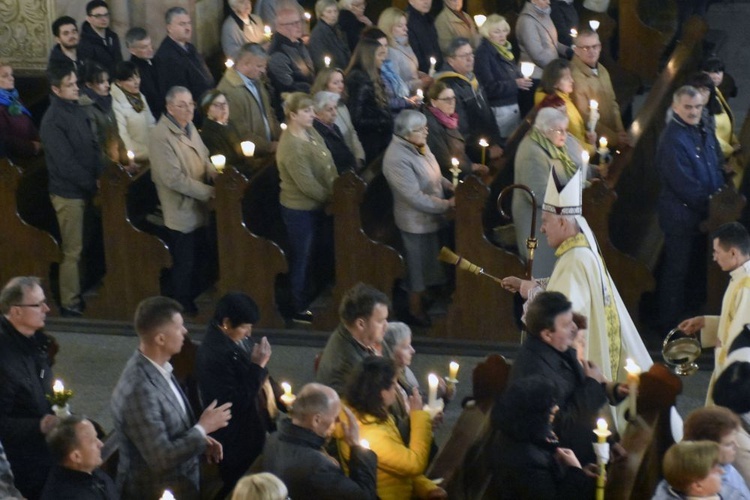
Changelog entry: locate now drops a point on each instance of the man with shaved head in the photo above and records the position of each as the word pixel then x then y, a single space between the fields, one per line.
pixel 295 453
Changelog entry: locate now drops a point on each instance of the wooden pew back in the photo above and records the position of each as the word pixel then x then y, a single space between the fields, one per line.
pixel 642 45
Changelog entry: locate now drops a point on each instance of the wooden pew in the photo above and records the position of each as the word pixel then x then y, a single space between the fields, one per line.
pixel 642 45
pixel 647 438
pixel 247 261
pixel 135 259
pixel 460 461
pixel 26 250
pixel 362 256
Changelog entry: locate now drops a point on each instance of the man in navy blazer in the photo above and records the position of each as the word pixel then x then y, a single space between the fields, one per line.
pixel 160 442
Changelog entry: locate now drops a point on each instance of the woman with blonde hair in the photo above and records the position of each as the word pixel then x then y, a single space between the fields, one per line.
pixel 307 173
pixel 392 22
pixel 497 71
pixel 262 486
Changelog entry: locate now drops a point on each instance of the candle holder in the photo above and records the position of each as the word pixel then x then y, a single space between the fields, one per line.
pixel 436 408
pixel 219 162
pixel 248 148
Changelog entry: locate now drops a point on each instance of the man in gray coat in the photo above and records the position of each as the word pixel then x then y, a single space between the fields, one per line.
pixel 364 319
pixel 160 441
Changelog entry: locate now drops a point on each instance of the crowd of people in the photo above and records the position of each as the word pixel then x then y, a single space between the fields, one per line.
pixel 433 100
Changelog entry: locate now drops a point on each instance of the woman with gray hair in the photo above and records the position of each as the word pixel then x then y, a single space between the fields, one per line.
pixel 547 145
pixel 419 202
pixel 325 105
pixel 240 27
pixel 327 40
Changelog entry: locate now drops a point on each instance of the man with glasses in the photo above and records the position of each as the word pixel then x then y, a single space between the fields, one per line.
pixel 98 42
pixel 476 120
pixel 25 382
pixel 138 42
pixel 182 64
pixel 592 82
pixel 290 66
pixel 181 172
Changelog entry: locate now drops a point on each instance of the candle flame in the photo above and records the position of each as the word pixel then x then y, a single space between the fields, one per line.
pixel 601 425
pixel 229 63
pixel 287 388
pixel 573 33
pixel 454 162
pixel 58 386
pixel 420 93
pixel 131 155
pixel 527 69
pixel 479 20
pixel 267 30
pixel 585 157
pixel 433 61
pixel 483 143
pixel 308 16
pixel 364 443
pixel 167 495
pixel 631 367
pixel 219 161
pixel 432 380
pixel 594 24
pixel 603 143
pixel 593 104
pixel 283 126
pixel 327 61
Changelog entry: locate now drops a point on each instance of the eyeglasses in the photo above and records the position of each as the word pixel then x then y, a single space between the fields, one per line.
pixel 293 23
pixel 446 99
pixel 100 16
pixel 421 129
pixel 470 55
pixel 38 304
pixel 558 131
pixel 185 105
pixel 221 105
pixel 590 48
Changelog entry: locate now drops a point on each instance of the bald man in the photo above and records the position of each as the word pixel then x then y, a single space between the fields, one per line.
pixel 295 453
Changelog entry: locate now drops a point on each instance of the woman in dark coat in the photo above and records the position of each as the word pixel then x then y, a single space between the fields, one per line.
pixel 352 20
pixel 368 102
pixel 231 367
pixel 527 460
pixel 16 126
pixel 219 135
pixel 327 39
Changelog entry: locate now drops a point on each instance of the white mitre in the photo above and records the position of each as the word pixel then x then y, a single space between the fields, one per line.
pixel 564 200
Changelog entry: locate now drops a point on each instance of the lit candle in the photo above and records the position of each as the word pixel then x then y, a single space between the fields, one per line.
pixel 420 94
pixel 364 443
pixel 327 61
pixel 601 430
pixel 308 16
pixel 480 19
pixel 603 143
pixel 58 387
pixel 593 105
pixel 267 33
pixel 601 448
pixel 585 157
pixel 634 378
pixel 455 171
pixel 167 495
pixel 229 63
pixel 433 62
pixel 131 155
pixel 219 161
pixel 594 24
pixel 593 114
pixel 248 148
pixel 453 370
pixel 573 33
pixel 283 126
pixel 287 398
pixel 432 381
pixel 527 69
pixel 484 144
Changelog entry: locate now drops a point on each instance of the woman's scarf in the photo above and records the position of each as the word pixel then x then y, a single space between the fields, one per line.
pixel 554 152
pixel 134 100
pixel 391 78
pixel 104 102
pixel 506 49
pixel 10 99
pixel 446 121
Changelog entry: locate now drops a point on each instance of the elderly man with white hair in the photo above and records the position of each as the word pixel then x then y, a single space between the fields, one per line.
pixel 325 105
pixel 548 145
pixel 419 204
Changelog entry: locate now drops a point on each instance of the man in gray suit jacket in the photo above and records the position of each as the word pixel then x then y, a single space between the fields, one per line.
pixel 160 441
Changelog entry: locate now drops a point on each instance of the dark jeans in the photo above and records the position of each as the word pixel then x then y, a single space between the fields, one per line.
pixel 310 241
pixel 683 276
pixel 191 252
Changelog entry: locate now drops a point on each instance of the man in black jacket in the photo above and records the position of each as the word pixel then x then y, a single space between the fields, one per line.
pixel 547 351
pixel 179 60
pixel 295 453
pixel 98 42
pixel 66 35
pixel 78 452
pixel 74 163
pixel 141 51
pixel 476 120
pixel 423 36
pixel 25 382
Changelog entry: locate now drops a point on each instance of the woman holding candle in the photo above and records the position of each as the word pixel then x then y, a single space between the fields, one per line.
pixel 393 23
pixel 134 117
pixel 444 138
pixel 419 202
pixel 528 463
pixel 220 135
pixel 327 39
pixel 371 391
pixel 231 367
pixel 497 72
pixel 17 129
pixel 547 145
pixel 332 80
pixel 307 173
pixel 558 80
pixel 368 101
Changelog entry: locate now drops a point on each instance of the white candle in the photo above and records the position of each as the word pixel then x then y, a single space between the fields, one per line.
pixel 455 171
pixel 573 33
pixel 479 20
pixel 453 370
pixel 432 381
pixel 433 62
pixel 308 16
pixel 167 495
pixel 283 126
pixel 594 24
pixel 131 155
pixel 593 105
pixel 364 443
pixel 593 114
pixel 287 398
pixel 267 33
pixel 603 143
pixel 634 372
pixel 327 61
pixel 219 161
pixel 527 69
pixel 602 430
pixel 229 63
pixel 483 143
pixel 420 94
pixel 58 387
pixel 248 148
